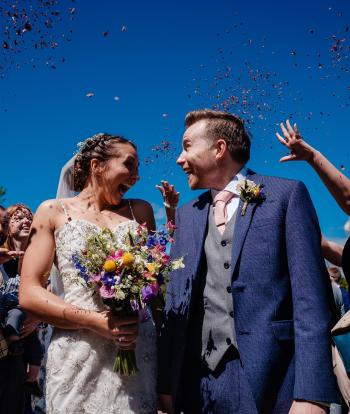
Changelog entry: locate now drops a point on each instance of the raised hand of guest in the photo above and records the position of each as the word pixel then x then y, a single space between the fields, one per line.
pixel 336 182
pixel 170 197
pixel 299 149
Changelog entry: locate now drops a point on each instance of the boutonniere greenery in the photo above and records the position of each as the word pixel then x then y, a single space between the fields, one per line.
pixel 249 192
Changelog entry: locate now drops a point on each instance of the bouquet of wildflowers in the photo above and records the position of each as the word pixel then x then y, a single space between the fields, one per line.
pixel 128 275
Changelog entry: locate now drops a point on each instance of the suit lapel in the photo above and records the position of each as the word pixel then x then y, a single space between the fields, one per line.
pixel 200 222
pixel 242 224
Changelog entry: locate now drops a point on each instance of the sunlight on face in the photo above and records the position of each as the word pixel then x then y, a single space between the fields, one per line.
pixel 197 158
pixel 120 173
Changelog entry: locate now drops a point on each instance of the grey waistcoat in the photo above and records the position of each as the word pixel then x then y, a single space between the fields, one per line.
pixel 218 331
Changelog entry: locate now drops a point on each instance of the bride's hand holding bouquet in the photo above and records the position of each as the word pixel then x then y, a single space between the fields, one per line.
pixel 128 276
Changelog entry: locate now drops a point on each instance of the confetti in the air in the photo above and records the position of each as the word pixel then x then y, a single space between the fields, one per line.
pixel 32 31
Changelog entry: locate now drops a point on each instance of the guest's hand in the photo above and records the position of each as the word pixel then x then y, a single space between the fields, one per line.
pixel 6 255
pixel 30 324
pixel 299 149
pixel 306 407
pixel 122 329
pixel 169 194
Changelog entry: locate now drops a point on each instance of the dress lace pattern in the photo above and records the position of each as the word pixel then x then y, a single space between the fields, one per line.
pixel 79 376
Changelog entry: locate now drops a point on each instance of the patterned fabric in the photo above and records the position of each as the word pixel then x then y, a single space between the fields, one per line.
pixel 79 376
pixel 11 285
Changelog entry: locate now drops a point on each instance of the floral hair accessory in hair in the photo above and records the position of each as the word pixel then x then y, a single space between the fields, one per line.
pixel 250 192
pixel 94 138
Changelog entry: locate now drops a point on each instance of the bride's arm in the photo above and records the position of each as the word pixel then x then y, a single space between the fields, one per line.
pixel 46 306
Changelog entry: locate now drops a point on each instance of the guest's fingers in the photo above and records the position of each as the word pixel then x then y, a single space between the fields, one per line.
pixel 284 131
pixel 289 128
pixel 296 130
pixel 281 139
pixel 290 157
pixel 161 189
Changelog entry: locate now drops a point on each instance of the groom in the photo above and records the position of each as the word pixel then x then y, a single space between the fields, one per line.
pixel 247 321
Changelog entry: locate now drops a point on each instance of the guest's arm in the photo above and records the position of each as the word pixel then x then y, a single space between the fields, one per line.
pixel 332 251
pixel 336 182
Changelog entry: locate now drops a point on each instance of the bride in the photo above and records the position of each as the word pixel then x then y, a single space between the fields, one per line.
pixel 79 376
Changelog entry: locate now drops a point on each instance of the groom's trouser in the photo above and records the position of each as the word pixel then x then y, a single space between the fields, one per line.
pixel 223 391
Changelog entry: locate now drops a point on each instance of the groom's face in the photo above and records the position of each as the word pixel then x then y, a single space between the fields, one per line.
pixel 197 158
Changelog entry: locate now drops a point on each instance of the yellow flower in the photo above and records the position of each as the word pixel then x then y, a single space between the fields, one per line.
pixel 151 267
pixel 109 266
pixel 256 191
pixel 128 259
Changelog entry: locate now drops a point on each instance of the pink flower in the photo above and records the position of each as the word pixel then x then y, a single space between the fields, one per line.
pixel 160 248
pixel 106 293
pixel 96 278
pixel 117 255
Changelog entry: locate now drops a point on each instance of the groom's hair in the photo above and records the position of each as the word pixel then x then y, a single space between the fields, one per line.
pixel 224 125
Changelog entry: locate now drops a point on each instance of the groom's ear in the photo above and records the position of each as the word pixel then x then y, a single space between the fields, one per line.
pixel 220 148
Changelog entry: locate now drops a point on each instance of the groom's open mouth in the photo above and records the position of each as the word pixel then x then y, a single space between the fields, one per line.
pixel 188 172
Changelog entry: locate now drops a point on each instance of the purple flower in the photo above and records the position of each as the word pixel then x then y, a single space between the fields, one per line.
pixel 147 293
pixel 106 292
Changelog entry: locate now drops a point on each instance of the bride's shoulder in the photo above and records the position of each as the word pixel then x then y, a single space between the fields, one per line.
pixel 142 209
pixel 49 210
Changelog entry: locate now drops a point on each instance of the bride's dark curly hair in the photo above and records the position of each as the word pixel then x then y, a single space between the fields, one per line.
pixel 98 146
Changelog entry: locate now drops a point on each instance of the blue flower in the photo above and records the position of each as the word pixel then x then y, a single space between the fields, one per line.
pixel 108 280
pixel 163 241
pixel 151 241
pixel 82 269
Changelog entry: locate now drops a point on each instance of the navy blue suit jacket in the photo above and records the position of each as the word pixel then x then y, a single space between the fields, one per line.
pixel 281 295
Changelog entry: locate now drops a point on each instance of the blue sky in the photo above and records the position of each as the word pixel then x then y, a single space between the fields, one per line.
pixel 275 59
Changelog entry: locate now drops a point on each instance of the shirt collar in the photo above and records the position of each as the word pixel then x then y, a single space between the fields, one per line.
pixel 231 186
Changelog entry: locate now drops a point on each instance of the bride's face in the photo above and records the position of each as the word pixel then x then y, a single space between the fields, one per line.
pixel 119 173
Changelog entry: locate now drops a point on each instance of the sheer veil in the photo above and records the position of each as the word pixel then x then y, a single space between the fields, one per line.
pixel 65 184
pixel 64 190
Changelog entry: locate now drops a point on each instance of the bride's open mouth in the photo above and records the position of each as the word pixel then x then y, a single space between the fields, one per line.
pixel 122 189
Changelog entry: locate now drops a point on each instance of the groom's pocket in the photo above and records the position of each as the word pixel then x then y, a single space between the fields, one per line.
pixel 283 330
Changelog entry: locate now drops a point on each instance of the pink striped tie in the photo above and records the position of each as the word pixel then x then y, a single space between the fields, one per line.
pixel 220 211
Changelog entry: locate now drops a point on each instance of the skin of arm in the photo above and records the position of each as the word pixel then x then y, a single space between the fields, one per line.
pixel 332 251
pixel 336 182
pixel 48 307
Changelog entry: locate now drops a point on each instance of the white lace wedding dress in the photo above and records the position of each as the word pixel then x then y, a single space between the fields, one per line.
pixel 79 376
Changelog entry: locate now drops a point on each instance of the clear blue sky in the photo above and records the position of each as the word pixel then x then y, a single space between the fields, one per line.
pixel 276 58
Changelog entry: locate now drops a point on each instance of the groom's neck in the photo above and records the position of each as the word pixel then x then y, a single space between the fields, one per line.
pixel 224 174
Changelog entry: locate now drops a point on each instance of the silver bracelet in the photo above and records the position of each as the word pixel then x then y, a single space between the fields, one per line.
pixel 169 206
